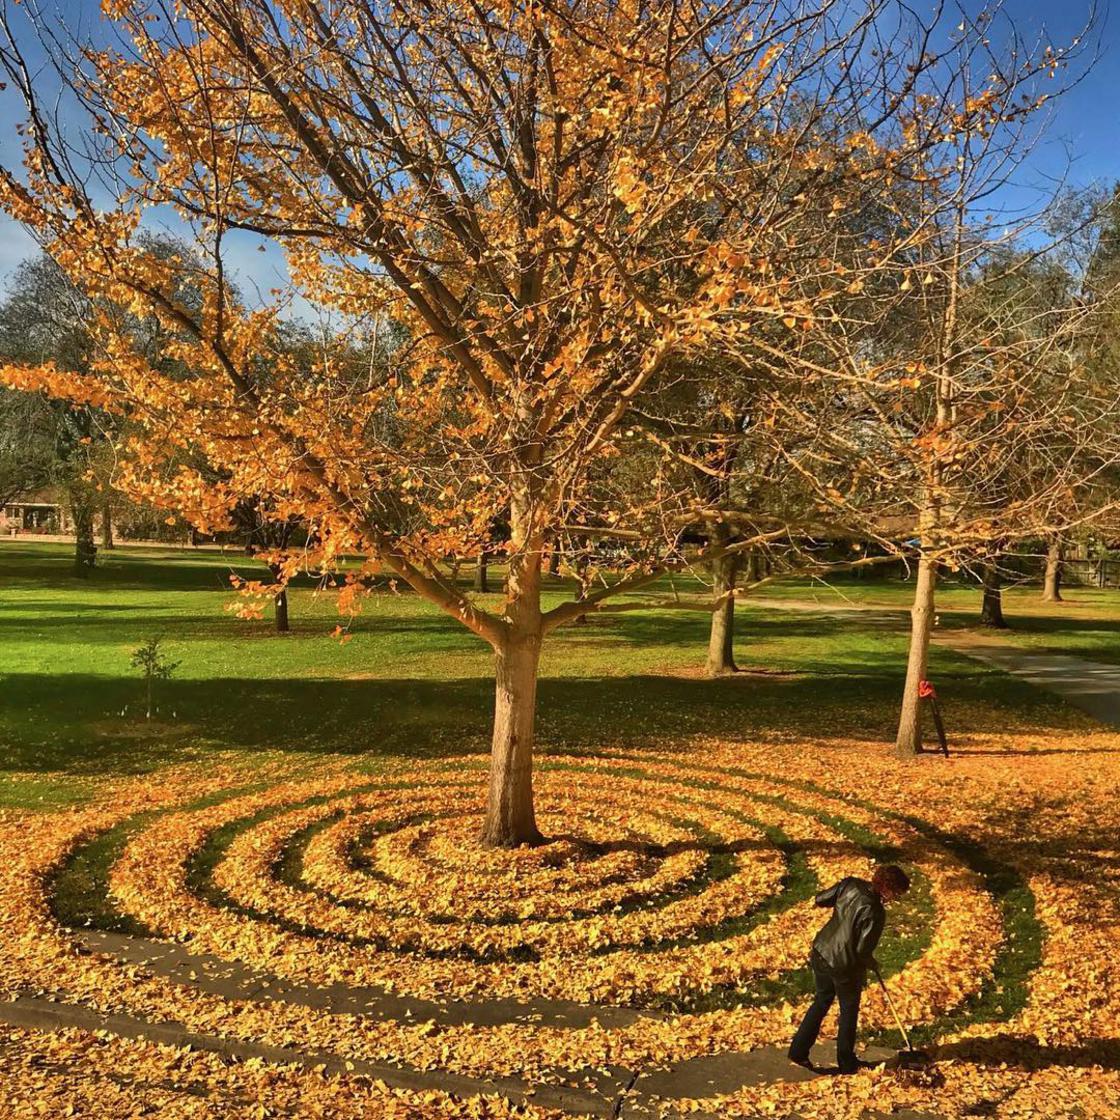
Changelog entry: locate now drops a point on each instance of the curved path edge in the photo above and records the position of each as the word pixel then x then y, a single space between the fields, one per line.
pixel 231 980
pixel 617 1094
pixel 1092 686
pixel 37 1013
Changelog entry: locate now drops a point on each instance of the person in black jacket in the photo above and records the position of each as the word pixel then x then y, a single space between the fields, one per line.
pixel 842 953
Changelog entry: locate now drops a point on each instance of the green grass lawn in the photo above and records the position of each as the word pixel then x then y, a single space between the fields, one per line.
pixel 411 682
pixel 1085 624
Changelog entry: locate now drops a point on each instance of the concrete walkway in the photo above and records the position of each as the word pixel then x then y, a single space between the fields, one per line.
pixel 1092 686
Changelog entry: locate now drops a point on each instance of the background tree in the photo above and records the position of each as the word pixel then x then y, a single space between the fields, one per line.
pixel 1052 575
pixel 26 443
pixel 44 320
pixel 969 423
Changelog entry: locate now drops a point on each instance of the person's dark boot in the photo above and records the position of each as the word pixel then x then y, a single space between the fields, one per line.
pixel 804 1063
pixel 859 1064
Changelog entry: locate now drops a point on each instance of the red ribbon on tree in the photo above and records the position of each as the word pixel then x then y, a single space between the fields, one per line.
pixel 926 690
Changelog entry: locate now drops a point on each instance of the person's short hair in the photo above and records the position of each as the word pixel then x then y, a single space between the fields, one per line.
pixel 891 877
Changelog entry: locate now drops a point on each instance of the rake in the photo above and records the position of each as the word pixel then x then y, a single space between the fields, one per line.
pixel 908 1058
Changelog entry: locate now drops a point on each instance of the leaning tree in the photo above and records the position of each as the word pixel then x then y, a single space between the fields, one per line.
pixel 559 205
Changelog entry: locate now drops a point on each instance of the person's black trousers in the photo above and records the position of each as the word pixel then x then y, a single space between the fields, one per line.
pixel 847 991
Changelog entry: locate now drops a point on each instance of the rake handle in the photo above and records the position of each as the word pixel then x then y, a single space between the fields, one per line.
pixel 894 1011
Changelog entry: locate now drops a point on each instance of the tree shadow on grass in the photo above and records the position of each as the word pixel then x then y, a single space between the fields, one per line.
pixel 32 608
pixel 97 625
pixel 74 722
pixel 51 567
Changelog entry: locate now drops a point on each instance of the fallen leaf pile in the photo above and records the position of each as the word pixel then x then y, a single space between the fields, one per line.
pixel 678 884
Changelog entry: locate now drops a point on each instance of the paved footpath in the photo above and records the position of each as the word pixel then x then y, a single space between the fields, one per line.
pixel 1092 686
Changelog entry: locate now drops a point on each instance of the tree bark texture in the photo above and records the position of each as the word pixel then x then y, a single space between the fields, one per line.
pixel 721 639
pixel 991 607
pixel 909 741
pixel 107 525
pixel 1052 581
pixel 510 817
pixel 85 550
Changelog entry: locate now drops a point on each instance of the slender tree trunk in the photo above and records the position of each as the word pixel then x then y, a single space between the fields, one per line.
pixel 282 626
pixel 991 608
pixel 754 567
pixel 721 639
pixel 481 583
pixel 1052 581
pixel 554 563
pixel 280 601
pixel 909 741
pixel 107 525
pixel 85 550
pixel 510 818
pixel 583 562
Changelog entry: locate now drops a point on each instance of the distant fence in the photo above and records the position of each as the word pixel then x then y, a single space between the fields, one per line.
pixel 1089 573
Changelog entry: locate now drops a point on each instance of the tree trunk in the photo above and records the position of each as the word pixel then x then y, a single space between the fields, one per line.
pixel 1052 582
pixel 583 562
pixel 554 563
pixel 282 626
pixel 480 581
pixel 991 608
pixel 280 601
pixel 85 550
pixel 510 818
pixel 107 525
pixel 754 567
pixel 721 639
pixel 909 741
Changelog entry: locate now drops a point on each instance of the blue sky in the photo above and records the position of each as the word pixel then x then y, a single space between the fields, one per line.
pixel 1083 133
pixel 1081 145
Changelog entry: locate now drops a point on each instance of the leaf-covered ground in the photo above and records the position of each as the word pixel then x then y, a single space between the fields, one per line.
pixel 677 884
pixel 324 838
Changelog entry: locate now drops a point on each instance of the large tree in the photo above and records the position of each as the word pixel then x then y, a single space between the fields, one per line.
pixel 969 420
pixel 562 206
